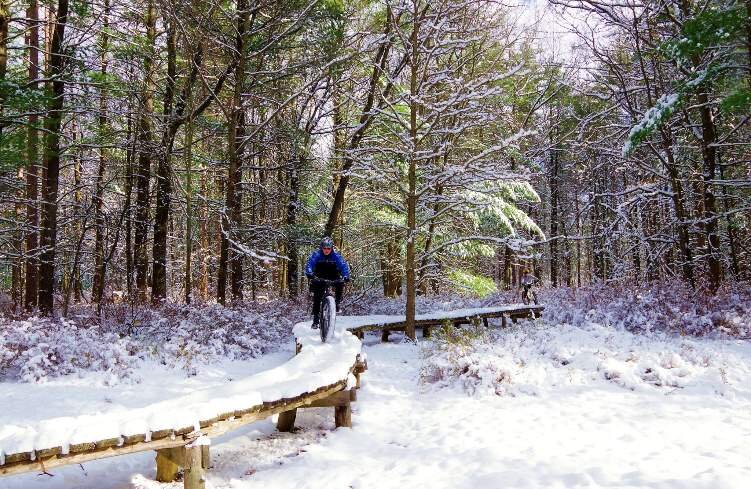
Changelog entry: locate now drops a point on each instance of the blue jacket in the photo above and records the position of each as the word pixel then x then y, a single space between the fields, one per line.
pixel 330 267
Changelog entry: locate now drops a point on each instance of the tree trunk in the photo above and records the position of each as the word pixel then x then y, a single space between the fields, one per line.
pixel 411 203
pixel 554 248
pixel 709 157
pixel 128 208
pixel 4 22
pixel 391 275
pixel 52 125
pixel 164 176
pixel 99 262
pixel 292 205
pixel 203 284
pixel 18 238
pixel 32 173
pixel 230 257
pixel 188 212
pixel 729 223
pixel 678 199
pixel 145 148
pixel 75 271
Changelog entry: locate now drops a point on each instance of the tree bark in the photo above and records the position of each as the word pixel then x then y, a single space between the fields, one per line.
pixel 709 157
pixel 554 248
pixel 230 257
pixel 4 22
pixel 100 265
pixel 729 223
pixel 52 125
pixel 188 213
pixel 411 203
pixel 678 199
pixel 292 205
pixel 145 148
pixel 32 173
pixel 164 176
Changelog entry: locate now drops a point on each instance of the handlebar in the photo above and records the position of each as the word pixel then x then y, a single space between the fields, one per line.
pixel 327 281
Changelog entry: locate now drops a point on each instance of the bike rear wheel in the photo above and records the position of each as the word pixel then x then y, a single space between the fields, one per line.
pixel 525 296
pixel 328 317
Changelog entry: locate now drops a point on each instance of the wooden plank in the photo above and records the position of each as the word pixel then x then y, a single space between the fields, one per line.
pixel 60 460
pixel 340 398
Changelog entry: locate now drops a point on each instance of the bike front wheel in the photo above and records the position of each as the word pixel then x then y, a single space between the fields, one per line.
pixel 328 318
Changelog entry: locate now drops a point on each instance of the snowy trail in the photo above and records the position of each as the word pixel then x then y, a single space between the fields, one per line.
pixel 595 435
pixel 582 437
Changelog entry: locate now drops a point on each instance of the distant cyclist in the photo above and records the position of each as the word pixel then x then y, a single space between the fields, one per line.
pixel 327 264
pixel 527 281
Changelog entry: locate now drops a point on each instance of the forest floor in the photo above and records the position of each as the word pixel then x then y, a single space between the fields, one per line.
pixel 581 398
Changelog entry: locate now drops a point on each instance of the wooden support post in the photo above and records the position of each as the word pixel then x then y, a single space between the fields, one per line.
pixel 194 468
pixel 205 457
pixel 286 421
pixel 343 416
pixel 485 322
pixel 503 320
pixel 168 462
pixel 426 331
pixel 385 335
pixel 360 334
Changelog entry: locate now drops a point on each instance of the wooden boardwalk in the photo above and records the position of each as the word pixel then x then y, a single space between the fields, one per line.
pixel 185 447
pixel 359 325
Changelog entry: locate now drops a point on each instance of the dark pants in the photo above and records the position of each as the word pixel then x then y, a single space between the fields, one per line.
pixel 318 290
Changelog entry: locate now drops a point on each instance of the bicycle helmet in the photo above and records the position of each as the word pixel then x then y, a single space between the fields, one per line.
pixel 327 242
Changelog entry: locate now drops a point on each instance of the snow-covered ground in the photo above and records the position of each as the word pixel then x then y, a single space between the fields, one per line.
pixel 317 365
pixel 536 405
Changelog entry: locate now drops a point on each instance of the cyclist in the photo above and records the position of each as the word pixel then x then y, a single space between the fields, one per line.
pixel 327 264
pixel 527 281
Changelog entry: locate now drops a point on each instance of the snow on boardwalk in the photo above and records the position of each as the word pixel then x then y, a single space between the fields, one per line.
pixel 317 365
pixel 361 322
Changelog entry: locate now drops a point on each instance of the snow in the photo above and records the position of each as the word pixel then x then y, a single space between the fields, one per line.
pixel 23 430
pixel 603 391
pixel 653 117
pixel 588 405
